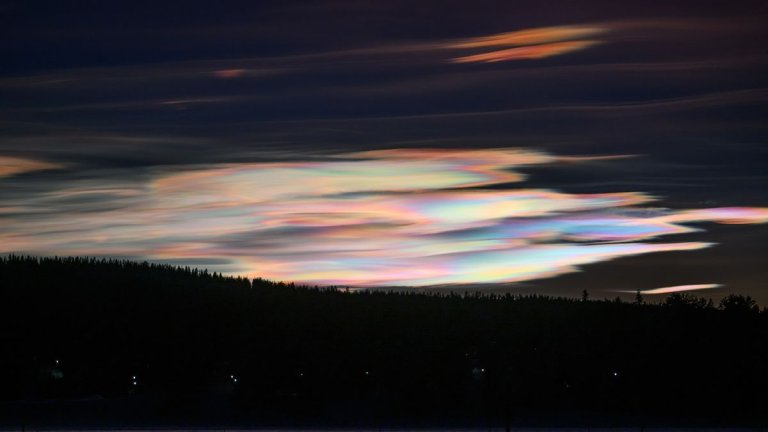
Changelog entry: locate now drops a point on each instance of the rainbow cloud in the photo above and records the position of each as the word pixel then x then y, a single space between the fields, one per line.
pixel 407 217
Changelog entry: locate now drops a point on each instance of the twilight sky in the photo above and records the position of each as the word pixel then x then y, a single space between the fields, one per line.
pixel 529 146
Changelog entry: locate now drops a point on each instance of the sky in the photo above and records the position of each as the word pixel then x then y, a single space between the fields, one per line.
pixel 523 147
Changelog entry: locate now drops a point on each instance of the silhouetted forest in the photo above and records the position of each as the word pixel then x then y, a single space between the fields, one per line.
pixel 105 342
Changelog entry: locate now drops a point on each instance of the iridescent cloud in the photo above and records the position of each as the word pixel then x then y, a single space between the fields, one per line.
pixel 678 288
pixel 412 217
pixel 724 215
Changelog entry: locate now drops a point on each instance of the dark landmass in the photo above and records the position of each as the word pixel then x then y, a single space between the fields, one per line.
pixel 99 343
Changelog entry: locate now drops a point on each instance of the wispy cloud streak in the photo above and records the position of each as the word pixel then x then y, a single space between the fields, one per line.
pixel 533 36
pixel 10 166
pixel 677 288
pixel 530 44
pixel 527 52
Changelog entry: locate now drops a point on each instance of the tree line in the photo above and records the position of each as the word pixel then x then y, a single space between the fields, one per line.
pixel 100 341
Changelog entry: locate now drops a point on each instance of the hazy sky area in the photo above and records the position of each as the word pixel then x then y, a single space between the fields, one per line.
pixel 524 147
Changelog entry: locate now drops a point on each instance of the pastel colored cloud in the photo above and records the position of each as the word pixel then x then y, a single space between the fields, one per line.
pixel 724 215
pixel 678 288
pixel 408 217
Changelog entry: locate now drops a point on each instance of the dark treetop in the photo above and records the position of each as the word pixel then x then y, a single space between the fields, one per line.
pixel 106 343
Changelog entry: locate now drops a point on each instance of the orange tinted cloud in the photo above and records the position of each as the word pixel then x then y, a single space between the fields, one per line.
pixel 527 52
pixel 10 166
pixel 534 36
pixel 533 43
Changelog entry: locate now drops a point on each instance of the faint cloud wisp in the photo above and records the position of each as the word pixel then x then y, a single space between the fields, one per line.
pixel 11 166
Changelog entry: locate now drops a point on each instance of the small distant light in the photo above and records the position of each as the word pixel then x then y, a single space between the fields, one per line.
pixel 235 379
pixel 367 373
pixel 232 377
pixel 57 361
pixel 301 374
pixel 133 377
pixel 135 383
pixel 482 370
pixel 615 374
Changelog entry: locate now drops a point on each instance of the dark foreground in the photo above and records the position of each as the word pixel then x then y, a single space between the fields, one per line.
pixel 95 344
pixel 469 429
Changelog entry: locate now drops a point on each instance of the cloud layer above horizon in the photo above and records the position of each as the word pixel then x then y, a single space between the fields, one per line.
pixel 240 136
pixel 400 217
